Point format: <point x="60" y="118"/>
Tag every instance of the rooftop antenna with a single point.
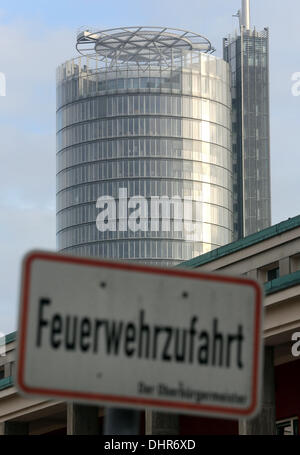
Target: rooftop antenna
<point x="238" y="14"/>
<point x="245" y="15"/>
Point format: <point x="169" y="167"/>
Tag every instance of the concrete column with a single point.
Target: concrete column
<point x="7" y="370"/>
<point x="294" y="263"/>
<point x="160" y="423"/>
<point x="284" y="267"/>
<point x="253" y="274"/>
<point x="82" y="419"/>
<point x="14" y="428"/>
<point x="265" y="422"/>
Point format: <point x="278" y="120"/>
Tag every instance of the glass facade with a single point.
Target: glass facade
<point x="248" y="56"/>
<point x="154" y="132"/>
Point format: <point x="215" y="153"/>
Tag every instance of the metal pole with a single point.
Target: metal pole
<point x="245" y="19"/>
<point x="121" y="422"/>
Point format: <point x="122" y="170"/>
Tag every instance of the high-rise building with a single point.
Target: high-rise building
<point x="144" y="117"/>
<point x="248" y="55"/>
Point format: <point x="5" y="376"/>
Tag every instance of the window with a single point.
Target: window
<point x="269" y="272"/>
<point x="2" y="372"/>
<point x="295" y="263"/>
<point x="273" y="274"/>
<point x="288" y="427"/>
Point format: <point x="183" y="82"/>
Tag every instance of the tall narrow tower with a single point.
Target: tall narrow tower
<point x="248" y="55"/>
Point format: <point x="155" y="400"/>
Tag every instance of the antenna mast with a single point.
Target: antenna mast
<point x="245" y="14"/>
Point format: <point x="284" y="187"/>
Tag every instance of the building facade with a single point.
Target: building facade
<point x="248" y="56"/>
<point x="144" y="117"/>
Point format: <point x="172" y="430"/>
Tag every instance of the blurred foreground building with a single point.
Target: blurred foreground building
<point x="273" y="257"/>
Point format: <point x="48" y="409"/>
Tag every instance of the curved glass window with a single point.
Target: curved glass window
<point x="144" y="126"/>
<point x="138" y="168"/>
<point x="141" y="249"/>
<point x="197" y="191"/>
<point x="88" y="233"/>
<point x="142" y="104"/>
<point x="87" y="213"/>
<point x="144" y="147"/>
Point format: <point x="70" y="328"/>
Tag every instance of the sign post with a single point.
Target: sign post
<point x="135" y="337"/>
<point x="121" y="422"/>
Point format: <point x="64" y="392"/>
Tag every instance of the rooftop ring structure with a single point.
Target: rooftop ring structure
<point x="141" y="45"/>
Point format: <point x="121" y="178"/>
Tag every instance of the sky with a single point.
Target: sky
<point x="37" y="35"/>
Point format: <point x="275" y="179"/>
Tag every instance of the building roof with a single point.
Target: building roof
<point x="141" y="44"/>
<point x="10" y="337"/>
<point x="241" y="244"/>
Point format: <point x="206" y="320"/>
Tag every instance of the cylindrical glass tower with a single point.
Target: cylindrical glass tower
<point x="144" y="112"/>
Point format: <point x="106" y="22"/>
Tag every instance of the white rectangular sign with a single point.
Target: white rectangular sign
<point x="141" y="337"/>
